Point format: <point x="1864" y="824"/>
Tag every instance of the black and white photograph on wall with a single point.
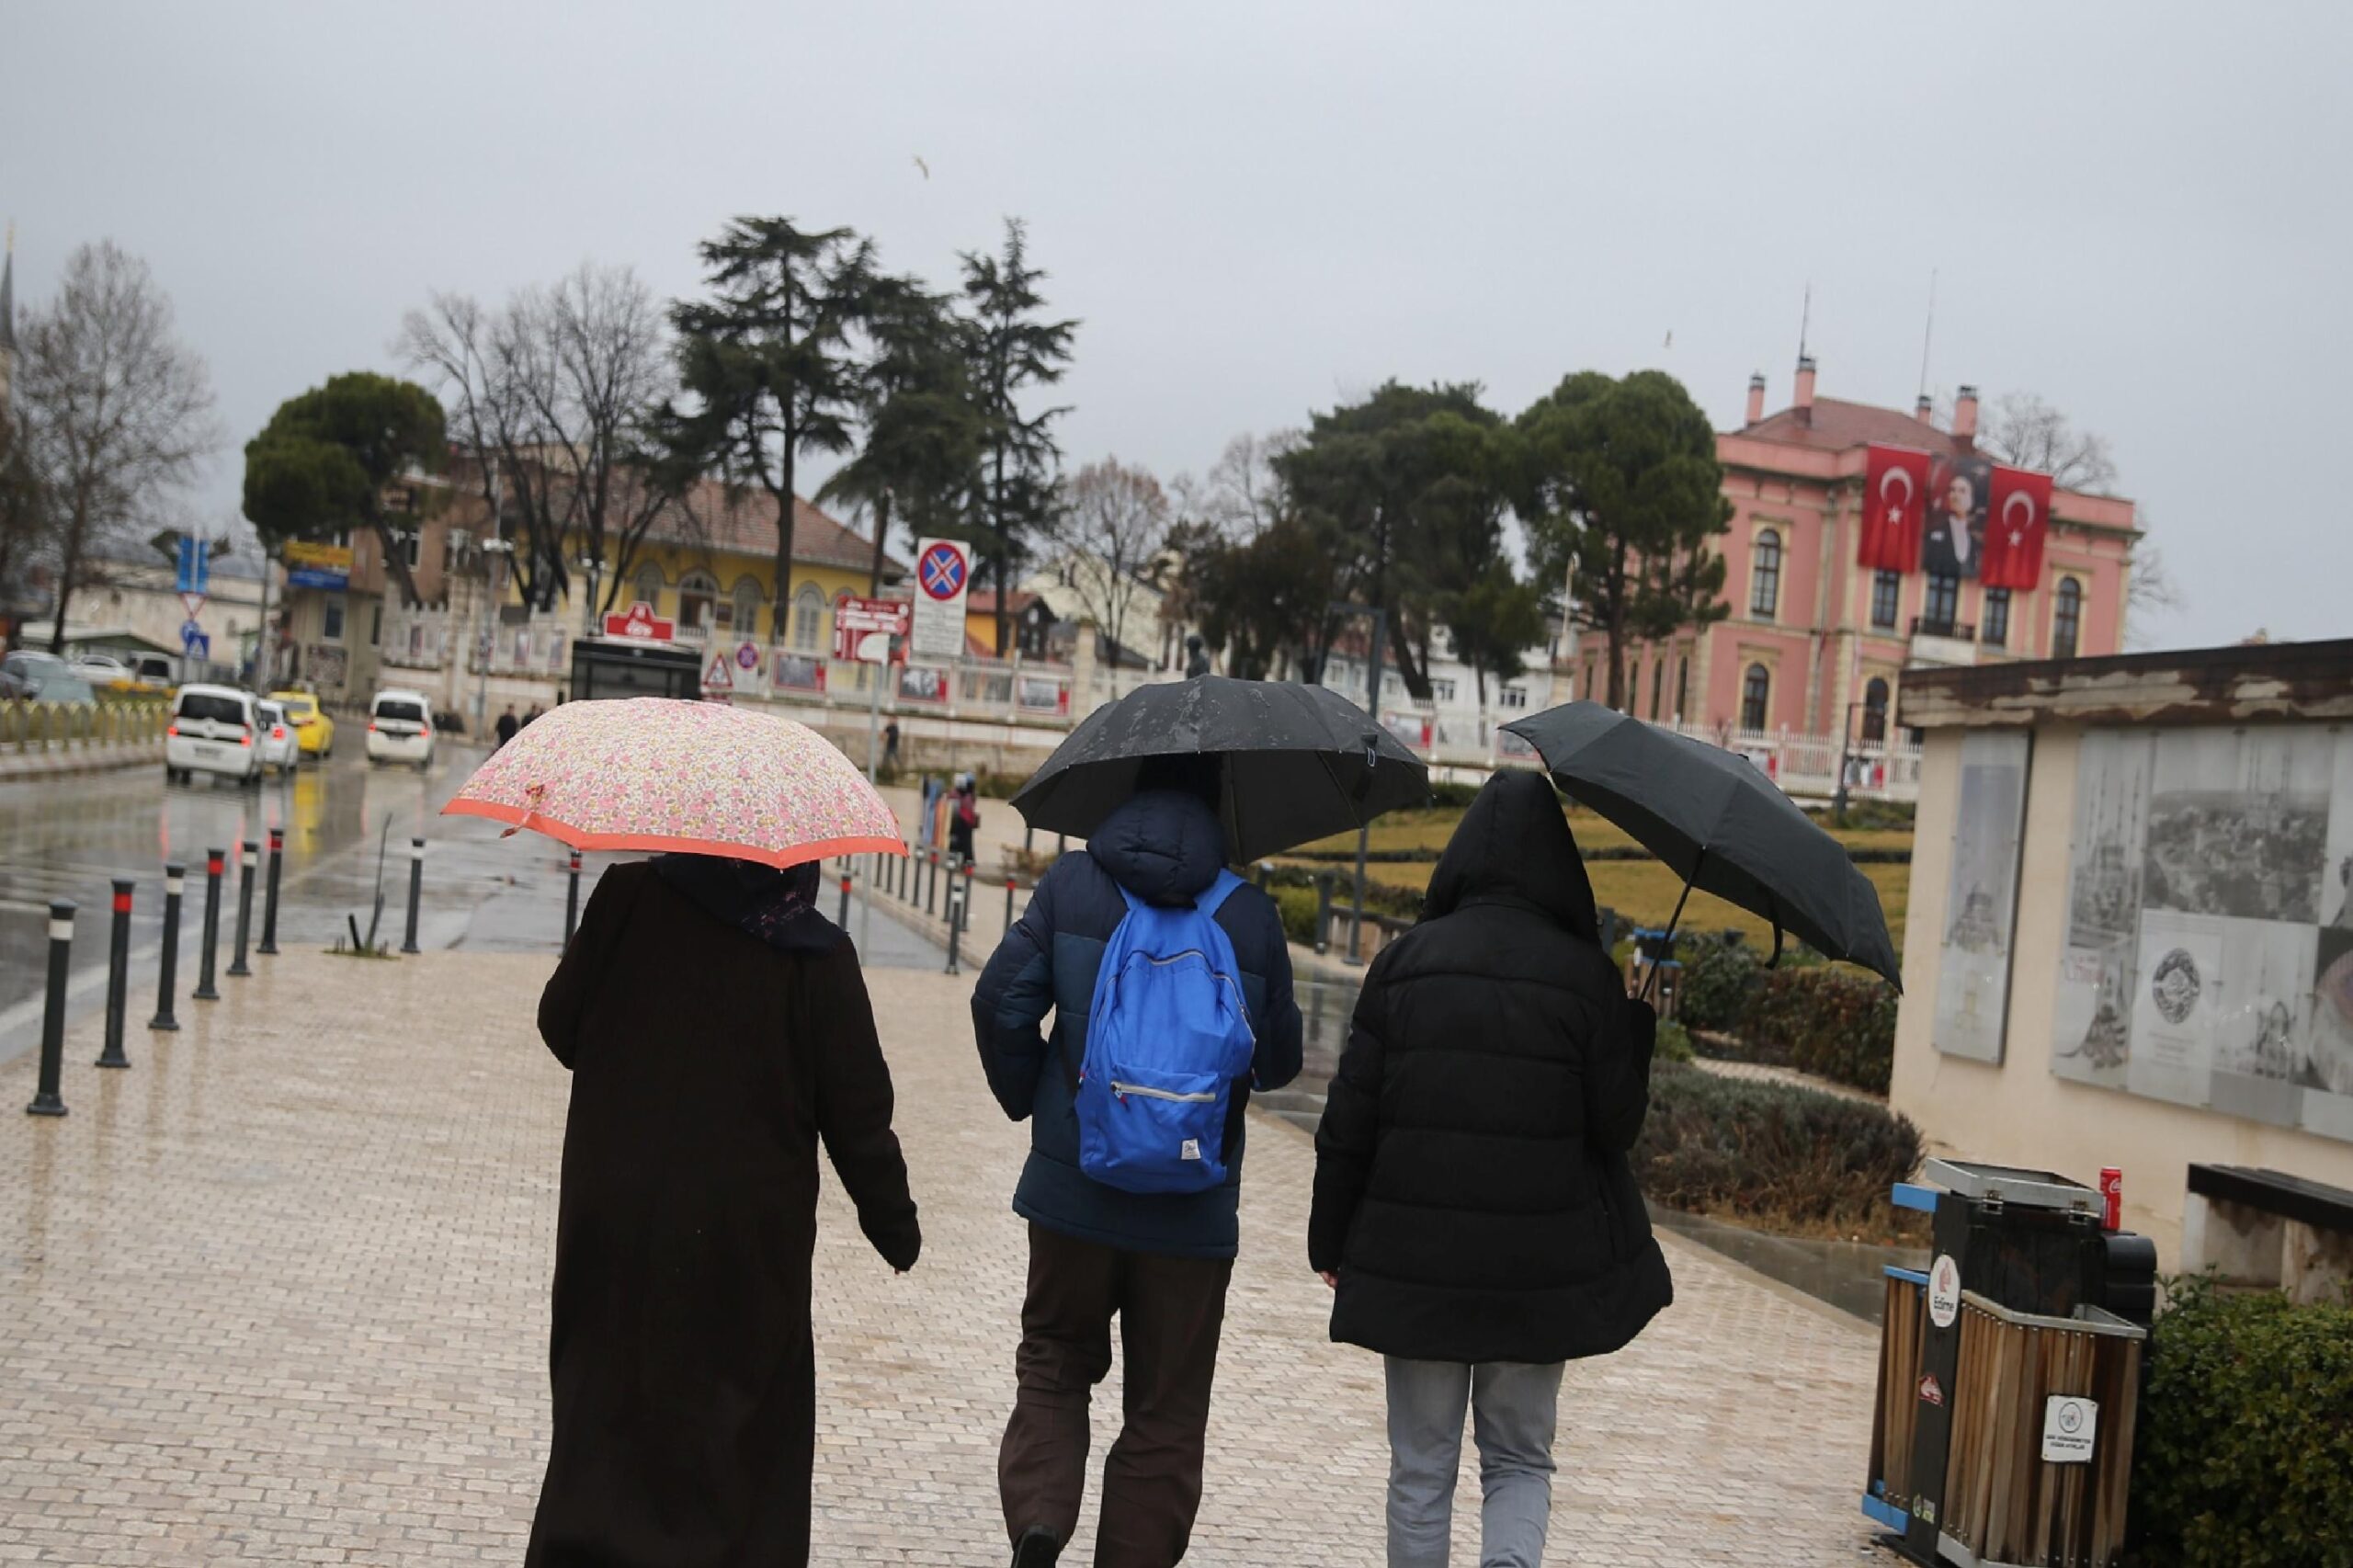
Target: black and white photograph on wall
<point x="2238" y="823"/>
<point x="2092" y="1031"/>
<point x="2330" y="1110"/>
<point x="1981" y="898"/>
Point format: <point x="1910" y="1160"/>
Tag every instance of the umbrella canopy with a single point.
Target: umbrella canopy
<point x="1300" y="762"/>
<point x="689" y="777"/>
<point x="1722" y="825"/>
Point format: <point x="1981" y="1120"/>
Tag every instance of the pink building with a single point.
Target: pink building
<point x="1814" y="642"/>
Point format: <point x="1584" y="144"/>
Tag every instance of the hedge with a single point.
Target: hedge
<point x="1741" y="1149"/>
<point x="2244" y="1453"/>
<point x="1830" y="1022"/>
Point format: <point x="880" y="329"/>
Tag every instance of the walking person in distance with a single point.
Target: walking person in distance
<point x="1134" y="1172"/>
<point x="1474" y="1211"/>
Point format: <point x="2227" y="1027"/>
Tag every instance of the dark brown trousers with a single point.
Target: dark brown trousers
<point x="1170" y="1309"/>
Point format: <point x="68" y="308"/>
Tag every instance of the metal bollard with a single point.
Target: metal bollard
<point x="269" y="948"/>
<point x="911" y="876"/>
<point x="955" y="919"/>
<point x="1266" y="874"/>
<point x="248" y="860"/>
<point x="175" y="877"/>
<point x="52" y="1014"/>
<point x="572" y="901"/>
<point x="931" y="884"/>
<point x="117" y="976"/>
<point x="415" y="892"/>
<point x="844" y="920"/>
<point x="1323" y="913"/>
<point x="208" y="951"/>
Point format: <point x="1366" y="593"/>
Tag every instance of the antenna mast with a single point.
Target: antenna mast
<point x="1805" y="317"/>
<point x="1928" y="334"/>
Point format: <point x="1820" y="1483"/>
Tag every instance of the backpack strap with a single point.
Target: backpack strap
<point x="1214" y="897"/>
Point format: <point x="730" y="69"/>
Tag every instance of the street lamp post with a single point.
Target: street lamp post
<point x="496" y="552"/>
<point x="593" y="568"/>
<point x="1845" y="736"/>
<point x="1372" y="704"/>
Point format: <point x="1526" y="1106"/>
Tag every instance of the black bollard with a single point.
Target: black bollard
<point x="955" y="919"/>
<point x="175" y="877"/>
<point x="117" y="976"/>
<point x="248" y="860"/>
<point x="911" y="876"/>
<point x="416" y="891"/>
<point x="269" y="948"/>
<point x="572" y="901"/>
<point x="844" y="920"/>
<point x="931" y="884"/>
<point x="208" y="952"/>
<point x="52" y="1014"/>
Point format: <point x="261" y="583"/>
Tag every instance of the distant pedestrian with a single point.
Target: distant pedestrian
<point x="1197" y="658"/>
<point x="718" y="1029"/>
<point x="891" y="744"/>
<point x="533" y="712"/>
<point x="963" y="817"/>
<point x="506" y="726"/>
<point x="1474" y="1209"/>
<point x="1158" y="1257"/>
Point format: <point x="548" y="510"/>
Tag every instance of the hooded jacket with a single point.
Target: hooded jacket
<point x="1165" y="848"/>
<point x="1472" y="1185"/>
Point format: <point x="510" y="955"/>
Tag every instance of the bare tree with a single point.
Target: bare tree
<point x="1111" y="522"/>
<point x="116" y="411"/>
<point x="1241" y="496"/>
<point x="551" y="395"/>
<point x="2026" y="432"/>
<point x="2150" y="590"/>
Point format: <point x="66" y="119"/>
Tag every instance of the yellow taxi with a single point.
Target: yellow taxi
<point x="311" y="725"/>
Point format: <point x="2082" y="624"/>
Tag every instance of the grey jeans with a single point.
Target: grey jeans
<point x="1513" y="1408"/>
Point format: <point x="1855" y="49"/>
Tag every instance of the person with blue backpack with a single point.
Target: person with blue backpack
<point x="1170" y="982"/>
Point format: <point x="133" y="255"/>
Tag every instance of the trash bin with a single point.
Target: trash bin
<point x="2009" y="1373"/>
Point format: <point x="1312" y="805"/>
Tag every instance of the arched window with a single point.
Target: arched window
<point x="1682" y="685"/>
<point x="1658" y="684"/>
<point x="1756" y="692"/>
<point x="2066" y="617"/>
<point x="808" y="616"/>
<point x="1765" y="575"/>
<point x="697" y="591"/>
<point x="744" y="610"/>
<point x="1875" y="711"/>
<point x="649" y="586"/>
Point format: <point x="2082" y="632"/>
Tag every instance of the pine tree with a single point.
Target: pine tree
<point x="1012" y="350"/>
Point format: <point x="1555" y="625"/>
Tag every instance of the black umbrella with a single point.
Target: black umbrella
<point x="1719" y="823"/>
<point x="1300" y="762"/>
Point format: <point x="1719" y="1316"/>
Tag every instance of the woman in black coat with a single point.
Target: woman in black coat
<point x="716" y="1026"/>
<point x="1474" y="1209"/>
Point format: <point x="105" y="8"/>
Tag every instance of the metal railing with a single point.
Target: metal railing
<point x="64" y="726"/>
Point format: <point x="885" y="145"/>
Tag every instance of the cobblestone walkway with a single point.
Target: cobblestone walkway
<point x="279" y="1294"/>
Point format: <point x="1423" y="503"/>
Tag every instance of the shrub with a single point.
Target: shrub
<point x="1741" y="1149"/>
<point x="1297" y="907"/>
<point x="2245" y="1445"/>
<point x="1674" y="1043"/>
<point x="1719" y="979"/>
<point x="1826" y="1021"/>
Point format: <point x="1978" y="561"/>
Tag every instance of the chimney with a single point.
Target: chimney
<point x="1964" y="416"/>
<point x="1804" y="403"/>
<point x="1924" y="409"/>
<point x="1755" y="397"/>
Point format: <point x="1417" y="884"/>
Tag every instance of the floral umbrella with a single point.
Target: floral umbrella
<point x="689" y="777"/>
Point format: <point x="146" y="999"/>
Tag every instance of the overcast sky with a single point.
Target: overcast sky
<point x="2137" y="211"/>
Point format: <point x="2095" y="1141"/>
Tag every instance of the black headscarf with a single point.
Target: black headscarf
<point x="778" y="907"/>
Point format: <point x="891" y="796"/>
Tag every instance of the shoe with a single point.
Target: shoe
<point x="1036" y="1548"/>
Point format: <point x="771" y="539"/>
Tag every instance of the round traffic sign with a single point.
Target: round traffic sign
<point x="942" y="570"/>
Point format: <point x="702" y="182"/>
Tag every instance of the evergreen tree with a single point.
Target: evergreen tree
<point x="1619" y="487"/>
<point x="1013" y="350"/>
<point x="322" y="464"/>
<point x="768" y="364"/>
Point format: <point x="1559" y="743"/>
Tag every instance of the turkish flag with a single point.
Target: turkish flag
<point x="1895" y="497"/>
<point x="2017" y="518"/>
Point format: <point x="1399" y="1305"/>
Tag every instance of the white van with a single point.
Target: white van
<point x="400" y="728"/>
<point x="214" y="729"/>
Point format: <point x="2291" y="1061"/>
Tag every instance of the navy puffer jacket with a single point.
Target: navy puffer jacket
<point x="1166" y="848"/>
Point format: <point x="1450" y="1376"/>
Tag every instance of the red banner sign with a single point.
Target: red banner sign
<point x="640" y="624"/>
<point x="1895" y="493"/>
<point x="2018" y="520"/>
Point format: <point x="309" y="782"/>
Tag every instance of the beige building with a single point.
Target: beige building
<point x="2131" y="921"/>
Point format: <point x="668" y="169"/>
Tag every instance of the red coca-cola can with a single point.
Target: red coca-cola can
<point x="2112" y="1199"/>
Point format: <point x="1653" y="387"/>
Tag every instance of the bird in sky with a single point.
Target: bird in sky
<point x="924" y="167"/>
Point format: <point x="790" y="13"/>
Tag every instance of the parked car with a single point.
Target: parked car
<point x="214" y="729"/>
<point x="281" y="748"/>
<point x="313" y="728"/>
<point x="42" y="677"/>
<point x="400" y="728"/>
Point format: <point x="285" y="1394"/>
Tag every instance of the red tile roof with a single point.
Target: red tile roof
<point x="983" y="601"/>
<point x="1838" y="425"/>
<point x="746" y="526"/>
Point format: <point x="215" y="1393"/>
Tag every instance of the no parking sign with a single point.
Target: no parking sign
<point x="943" y="574"/>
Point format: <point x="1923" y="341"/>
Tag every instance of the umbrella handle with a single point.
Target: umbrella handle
<point x="1773" y="913"/>
<point x="1672" y="921"/>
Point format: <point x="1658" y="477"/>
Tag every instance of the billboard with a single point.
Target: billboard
<point x="1981" y="898"/>
<point x="310" y="566"/>
<point x="2209" y="951"/>
<point x="1962" y="516"/>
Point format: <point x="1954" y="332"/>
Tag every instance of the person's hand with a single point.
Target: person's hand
<point x="1330" y="1278"/>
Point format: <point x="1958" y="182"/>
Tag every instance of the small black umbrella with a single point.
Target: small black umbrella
<point x="1300" y="762"/>
<point x="1719" y="823"/>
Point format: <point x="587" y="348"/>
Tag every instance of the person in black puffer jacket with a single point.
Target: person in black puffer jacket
<point x="1474" y="1209"/>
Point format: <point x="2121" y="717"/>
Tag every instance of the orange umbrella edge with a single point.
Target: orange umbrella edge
<point x="662" y="844"/>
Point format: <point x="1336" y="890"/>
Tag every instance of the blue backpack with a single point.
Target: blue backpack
<point x="1167" y="1036"/>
